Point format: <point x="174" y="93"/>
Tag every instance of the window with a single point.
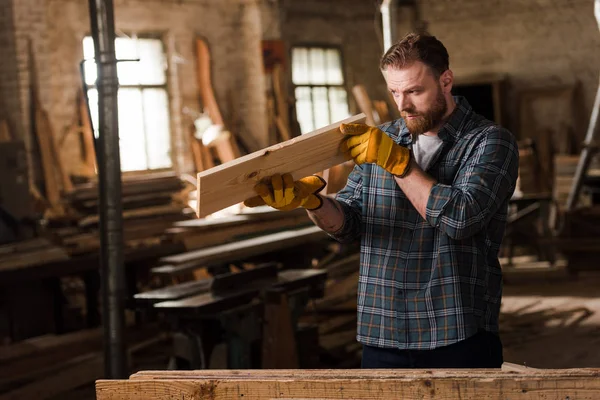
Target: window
<point x="144" y="133"/>
<point x="321" y="97"/>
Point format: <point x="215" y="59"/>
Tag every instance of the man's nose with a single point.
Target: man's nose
<point x="403" y="103"/>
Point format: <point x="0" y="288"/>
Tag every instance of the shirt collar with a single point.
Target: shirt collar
<point x="450" y="131"/>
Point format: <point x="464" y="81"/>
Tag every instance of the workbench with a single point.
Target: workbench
<point x="239" y="310"/>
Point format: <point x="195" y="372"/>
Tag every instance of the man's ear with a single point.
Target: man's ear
<point x="446" y="81"/>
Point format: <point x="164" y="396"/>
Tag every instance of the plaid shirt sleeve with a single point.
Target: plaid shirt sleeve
<point x="350" y="198"/>
<point x="481" y="186"/>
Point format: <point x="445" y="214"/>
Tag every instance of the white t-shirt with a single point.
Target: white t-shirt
<point x="425" y="148"/>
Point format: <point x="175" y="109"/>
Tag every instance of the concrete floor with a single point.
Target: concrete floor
<point x="553" y="324"/>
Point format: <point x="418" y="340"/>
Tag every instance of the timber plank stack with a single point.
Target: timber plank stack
<point x="150" y="207"/>
<point x="205" y="232"/>
<point x="507" y="383"/>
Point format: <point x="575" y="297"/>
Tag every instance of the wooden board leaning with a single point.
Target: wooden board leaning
<point x="233" y="182"/>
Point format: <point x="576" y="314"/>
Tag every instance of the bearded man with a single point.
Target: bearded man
<point x="428" y="199"/>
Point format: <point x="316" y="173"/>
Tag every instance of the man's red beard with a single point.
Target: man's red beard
<point x="424" y="122"/>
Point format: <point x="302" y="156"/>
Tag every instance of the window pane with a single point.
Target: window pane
<point x="338" y="103"/>
<point x="131" y="130"/>
<point x="317" y="66"/>
<point x="89" y="67"/>
<point x="125" y="49"/>
<point x="300" y="65"/>
<point x="321" y="107"/>
<point x="334" y="67"/>
<point x="152" y="65"/>
<point x="93" y="101"/>
<point x="304" y="112"/>
<point x="156" y="118"/>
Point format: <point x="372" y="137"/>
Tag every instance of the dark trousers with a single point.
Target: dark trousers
<point x="483" y="350"/>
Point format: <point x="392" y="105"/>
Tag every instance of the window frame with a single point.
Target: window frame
<point x="311" y="86"/>
<point x="165" y="86"/>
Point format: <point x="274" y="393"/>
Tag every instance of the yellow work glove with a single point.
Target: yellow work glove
<point x="368" y="144"/>
<point x="282" y="193"/>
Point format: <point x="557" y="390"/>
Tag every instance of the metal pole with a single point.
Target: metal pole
<point x="109" y="186"/>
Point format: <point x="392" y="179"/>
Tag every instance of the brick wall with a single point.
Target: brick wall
<point x="56" y="28"/>
<point x="353" y="25"/>
<point x="534" y="43"/>
<point x="10" y="104"/>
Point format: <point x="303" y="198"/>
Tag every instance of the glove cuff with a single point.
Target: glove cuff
<point x="314" y="202"/>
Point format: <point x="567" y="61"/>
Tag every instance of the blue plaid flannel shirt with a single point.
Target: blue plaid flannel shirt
<point x="427" y="283"/>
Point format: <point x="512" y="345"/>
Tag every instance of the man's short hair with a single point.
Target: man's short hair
<point x="417" y="47"/>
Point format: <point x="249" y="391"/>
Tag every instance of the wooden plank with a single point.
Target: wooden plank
<point x="226" y="147"/>
<point x="364" y="104"/>
<point x="382" y="110"/>
<point x="67" y="185"/>
<point x="282" y="120"/>
<point x="154" y="211"/>
<point x="5" y="135"/>
<point x="196" y="150"/>
<point x="358" y="384"/>
<point x="204" y="83"/>
<point x="283" y="129"/>
<point x="29" y="259"/>
<point x="47" y="343"/>
<point x="233" y="182"/>
<point x="193" y="241"/>
<point x="71" y="374"/>
<point x="237" y="251"/>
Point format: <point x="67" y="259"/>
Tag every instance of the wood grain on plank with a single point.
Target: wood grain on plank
<point x="356" y="384"/>
<point x="233" y="182"/>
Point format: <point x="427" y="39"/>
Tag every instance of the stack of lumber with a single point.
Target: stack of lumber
<point x="30" y="253"/>
<point x="206" y="232"/>
<point x="564" y="173"/>
<point x="48" y="366"/>
<point x="150" y="207"/>
<point x="511" y="382"/>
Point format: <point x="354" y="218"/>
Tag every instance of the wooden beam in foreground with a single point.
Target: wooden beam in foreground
<point x="233" y="182"/>
<point x="355" y="384"/>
